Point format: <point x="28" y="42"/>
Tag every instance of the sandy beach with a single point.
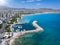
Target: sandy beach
<point x="38" y="13"/>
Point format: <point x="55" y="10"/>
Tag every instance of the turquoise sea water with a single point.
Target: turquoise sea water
<point x="51" y="35"/>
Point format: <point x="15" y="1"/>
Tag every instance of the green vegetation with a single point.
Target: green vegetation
<point x="8" y="28"/>
<point x="13" y="20"/>
<point x="0" y="26"/>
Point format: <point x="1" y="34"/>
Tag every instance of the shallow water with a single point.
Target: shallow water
<point x="51" y="35"/>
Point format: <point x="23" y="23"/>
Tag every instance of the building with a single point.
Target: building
<point x="1" y="22"/>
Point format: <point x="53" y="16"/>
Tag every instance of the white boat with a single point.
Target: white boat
<point x="19" y="26"/>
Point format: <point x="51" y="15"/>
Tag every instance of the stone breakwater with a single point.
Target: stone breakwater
<point x="18" y="34"/>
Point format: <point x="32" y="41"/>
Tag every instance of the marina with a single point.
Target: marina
<point x="29" y="22"/>
<point x="17" y="34"/>
<point x="49" y="36"/>
<point x="33" y="25"/>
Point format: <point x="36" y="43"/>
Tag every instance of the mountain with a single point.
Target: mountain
<point x="40" y="10"/>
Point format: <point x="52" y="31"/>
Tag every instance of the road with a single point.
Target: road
<point x="4" y="24"/>
<point x="1" y="37"/>
<point x="2" y="30"/>
<point x="3" y="27"/>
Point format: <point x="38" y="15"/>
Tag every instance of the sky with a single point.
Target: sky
<point x="31" y="4"/>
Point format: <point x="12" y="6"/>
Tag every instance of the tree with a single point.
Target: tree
<point x="0" y="26"/>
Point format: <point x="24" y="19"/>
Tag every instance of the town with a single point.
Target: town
<point x="9" y="15"/>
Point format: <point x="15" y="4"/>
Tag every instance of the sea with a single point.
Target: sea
<point x="51" y="34"/>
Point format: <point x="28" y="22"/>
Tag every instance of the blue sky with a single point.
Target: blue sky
<point x="55" y="4"/>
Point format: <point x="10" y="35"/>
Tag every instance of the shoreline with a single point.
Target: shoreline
<point x="39" y="13"/>
<point x="18" y="34"/>
<point x="36" y="14"/>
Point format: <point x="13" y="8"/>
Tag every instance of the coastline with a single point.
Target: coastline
<point x="39" y="13"/>
<point x="18" y="34"/>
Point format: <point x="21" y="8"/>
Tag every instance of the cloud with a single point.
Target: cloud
<point x="3" y="2"/>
